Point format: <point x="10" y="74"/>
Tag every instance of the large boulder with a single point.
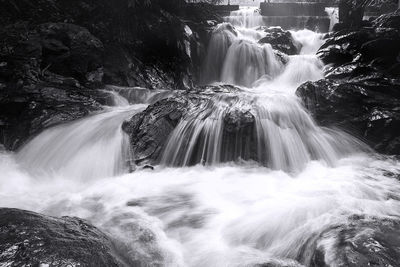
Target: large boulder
<point x="281" y="40"/>
<point x="31" y="239"/>
<point x="368" y="108"/>
<point x="151" y="129"/>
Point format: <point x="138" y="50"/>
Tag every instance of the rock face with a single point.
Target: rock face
<point x="50" y="71"/>
<point x="377" y="47"/>
<point x="148" y="43"/>
<point x="31" y="239"/>
<point x="362" y="91"/>
<point x="281" y="40"/>
<point x="30" y="109"/>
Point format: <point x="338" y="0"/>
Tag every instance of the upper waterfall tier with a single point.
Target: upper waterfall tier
<point x="296" y="16"/>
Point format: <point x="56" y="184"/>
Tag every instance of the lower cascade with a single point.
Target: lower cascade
<point x="245" y="178"/>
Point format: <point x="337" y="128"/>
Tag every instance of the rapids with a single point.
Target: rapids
<point x="306" y="182"/>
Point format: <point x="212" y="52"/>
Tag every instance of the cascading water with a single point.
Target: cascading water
<point x="333" y="13"/>
<point x="247" y="207"/>
<point x="90" y="148"/>
<point x="246" y="17"/>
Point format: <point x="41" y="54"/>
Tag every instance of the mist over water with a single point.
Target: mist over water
<point x="213" y="206"/>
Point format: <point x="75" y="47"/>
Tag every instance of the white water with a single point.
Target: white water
<point x="246" y="17"/>
<point x="231" y="214"/>
<point x="333" y="13"/>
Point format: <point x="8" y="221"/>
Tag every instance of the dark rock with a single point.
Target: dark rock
<point x="61" y="48"/>
<point x="362" y="93"/>
<point x="30" y="109"/>
<point x="69" y="50"/>
<point x="382" y="47"/>
<point x="31" y="239"/>
<point x="148" y="167"/>
<point x="343" y="46"/>
<point x="47" y="69"/>
<point x="368" y="108"/>
<point x="149" y="130"/>
<point x="281" y="40"/>
<point x="377" y="47"/>
<point x="390" y="20"/>
<point x="149" y="43"/>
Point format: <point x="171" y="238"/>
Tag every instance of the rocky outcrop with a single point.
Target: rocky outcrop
<point x="377" y="47"/>
<point x="50" y="71"/>
<point x="362" y="91"/>
<point x="31" y="239"/>
<point x="151" y="44"/>
<point x="367" y="108"/>
<point x="281" y="40"/>
<point x="26" y="111"/>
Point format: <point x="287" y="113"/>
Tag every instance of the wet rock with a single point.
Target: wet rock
<point x="390" y="20"/>
<point x="368" y="108"/>
<point x="281" y="40"/>
<point x="150" y="130"/>
<point x="362" y="90"/>
<point x="377" y="47"/>
<point x="31" y="239"/>
<point x="50" y="71"/>
<point x="343" y="46"/>
<point x="26" y="111"/>
<point x="361" y="242"/>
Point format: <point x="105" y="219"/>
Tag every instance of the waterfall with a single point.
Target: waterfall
<point x="333" y="14"/>
<point x="246" y="62"/>
<point x="89" y="148"/>
<point x="247" y="178"/>
<point x="235" y="57"/>
<point x="221" y="40"/>
<point x="247" y="17"/>
<point x="92" y="147"/>
<point x="279" y="133"/>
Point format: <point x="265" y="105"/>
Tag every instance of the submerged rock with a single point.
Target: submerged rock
<point x="31" y="239"/>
